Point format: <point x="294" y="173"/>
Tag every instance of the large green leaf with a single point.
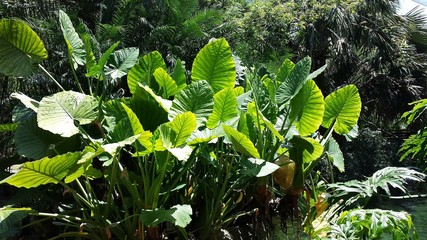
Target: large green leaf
<point x="43" y="171"/>
<point x="143" y="71"/>
<point x="333" y="150"/>
<point x="122" y="61"/>
<point x="179" y="75"/>
<point x="20" y="48"/>
<point x="62" y="112"/>
<point x="167" y="86"/>
<point x="128" y="127"/>
<point x="180" y="215"/>
<point x="285" y="70"/>
<point x="32" y="141"/>
<point x="241" y="142"/>
<point x="183" y="125"/>
<point x="342" y="109"/>
<point x="225" y="107"/>
<point x="307" y="108"/>
<point x="215" y="64"/>
<point x="305" y="149"/>
<point x="151" y="109"/>
<point x="75" y="46"/>
<point x="97" y="70"/>
<point x="290" y="87"/>
<point x="258" y="167"/>
<point x="10" y="220"/>
<point x="196" y="98"/>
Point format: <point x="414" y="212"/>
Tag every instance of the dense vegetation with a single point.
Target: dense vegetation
<point x="208" y="119"/>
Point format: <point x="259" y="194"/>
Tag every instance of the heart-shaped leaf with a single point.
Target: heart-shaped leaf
<point x="20" y="48"/>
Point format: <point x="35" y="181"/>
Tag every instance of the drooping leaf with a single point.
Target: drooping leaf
<point x="196" y="98"/>
<point x="333" y="150"/>
<point x="10" y="220"/>
<point x="167" y="86"/>
<point x="258" y="167"/>
<point x="305" y="149"/>
<point x="290" y="87"/>
<point x="225" y="107"/>
<point x="143" y="71"/>
<point x="27" y="101"/>
<point x="179" y="76"/>
<point x="43" y="171"/>
<point x="342" y="109"/>
<point x="20" y="48"/>
<point x="122" y="61"/>
<point x="8" y="127"/>
<point x="180" y="215"/>
<point x="215" y="64"/>
<point x="241" y="142"/>
<point x="75" y="46"/>
<point x="90" y="57"/>
<point x="307" y="108"/>
<point x="62" y="112"/>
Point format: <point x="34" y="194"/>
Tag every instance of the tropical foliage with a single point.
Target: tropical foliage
<point x="139" y="147"/>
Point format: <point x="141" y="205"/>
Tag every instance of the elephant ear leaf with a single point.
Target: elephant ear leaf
<point x="241" y="142"/>
<point x="62" y="112"/>
<point x="75" y="46"/>
<point x="10" y="220"/>
<point x="342" y="109"/>
<point x="20" y="48"/>
<point x="142" y="72"/>
<point x="43" y="171"/>
<point x="225" y="107"/>
<point x="215" y="64"/>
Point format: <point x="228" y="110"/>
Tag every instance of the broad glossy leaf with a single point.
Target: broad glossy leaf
<point x="10" y="220"/>
<point x="333" y="150"/>
<point x="285" y="70"/>
<point x="20" y="48"/>
<point x="167" y="86"/>
<point x="206" y="135"/>
<point x="342" y="109"/>
<point x="258" y="167"/>
<point x="61" y="112"/>
<point x="129" y="128"/>
<point x="179" y="76"/>
<point x="75" y="46"/>
<point x="143" y="71"/>
<point x="290" y="87"/>
<point x="196" y="98"/>
<point x="305" y="149"/>
<point x="225" y="107"/>
<point x="151" y="109"/>
<point x="122" y="61"/>
<point x="215" y="64"/>
<point x="307" y="108"/>
<point x="241" y="142"/>
<point x="180" y="215"/>
<point x="183" y="125"/>
<point x="32" y="141"/>
<point x="43" y="171"/>
<point x="27" y="101"/>
<point x="8" y="127"/>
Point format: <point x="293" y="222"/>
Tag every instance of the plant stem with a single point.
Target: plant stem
<point x="51" y="77"/>
<point x="74" y="74"/>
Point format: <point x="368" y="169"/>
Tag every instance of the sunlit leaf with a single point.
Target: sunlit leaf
<point x="225" y="107"/>
<point x="75" y="46"/>
<point x="179" y="215"/>
<point x="215" y="64"/>
<point x="62" y="112"/>
<point x="167" y="86"/>
<point x="143" y="71"/>
<point x="20" y="48"/>
<point x="241" y="142"/>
